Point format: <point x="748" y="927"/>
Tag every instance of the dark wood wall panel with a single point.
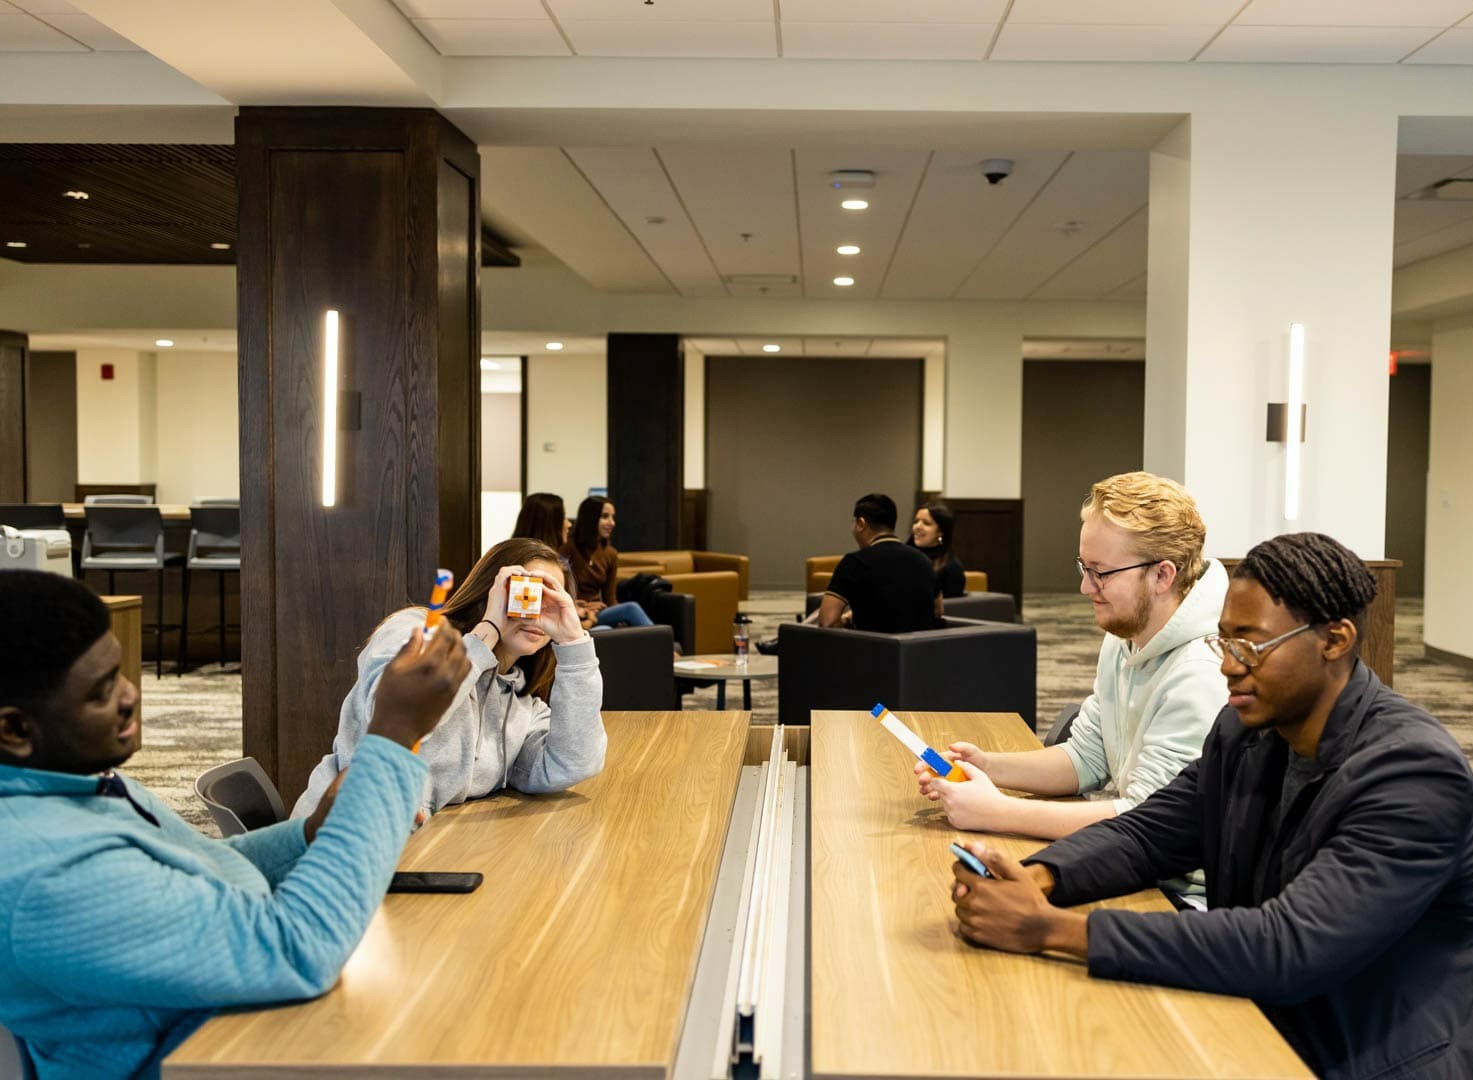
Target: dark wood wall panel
<point x="13" y="347"/>
<point x="989" y="536"/>
<point x="373" y="213"/>
<point x="646" y="408"/>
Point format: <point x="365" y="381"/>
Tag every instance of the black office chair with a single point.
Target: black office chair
<point x="240" y="796"/>
<point x="33" y="515"/>
<point x="1063" y="724"/>
<point x="214" y="545"/>
<point x="130" y="537"/>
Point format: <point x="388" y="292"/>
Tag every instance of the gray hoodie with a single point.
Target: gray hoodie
<point x="491" y="737"/>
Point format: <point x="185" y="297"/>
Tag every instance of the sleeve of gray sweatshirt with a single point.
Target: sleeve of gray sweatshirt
<point x="567" y="742"/>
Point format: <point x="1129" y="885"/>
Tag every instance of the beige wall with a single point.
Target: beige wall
<point x="501" y="442"/>
<point x="1448" y="614"/>
<point x="111" y="446"/>
<point x="566" y="407"/>
<point x="197" y="426"/>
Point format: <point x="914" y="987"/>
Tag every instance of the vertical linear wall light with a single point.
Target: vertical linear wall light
<point x="330" y="409"/>
<point x="1294" y="421"/>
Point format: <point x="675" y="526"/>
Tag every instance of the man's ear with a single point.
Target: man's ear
<point x="17" y="731"/>
<point x="1341" y="639"/>
<point x="1166" y="572"/>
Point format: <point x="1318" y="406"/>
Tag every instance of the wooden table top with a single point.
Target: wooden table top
<point x="725" y="666"/>
<point x="573" y="958"/>
<point x="168" y="511"/>
<point x="895" y="991"/>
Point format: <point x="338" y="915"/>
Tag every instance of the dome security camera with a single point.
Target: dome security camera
<point x="997" y="170"/>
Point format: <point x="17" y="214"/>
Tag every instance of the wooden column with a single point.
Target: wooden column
<point x="646" y="401"/>
<point x="373" y="213"/>
<point x="13" y="348"/>
<point x="989" y="537"/>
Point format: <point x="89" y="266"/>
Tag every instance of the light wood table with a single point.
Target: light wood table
<point x="895" y="991"/>
<point x="168" y="511"/>
<point x="126" y="613"/>
<point x="722" y="668"/>
<point x="575" y="956"/>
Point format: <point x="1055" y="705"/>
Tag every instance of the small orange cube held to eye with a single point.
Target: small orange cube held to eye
<point x="523" y="596"/>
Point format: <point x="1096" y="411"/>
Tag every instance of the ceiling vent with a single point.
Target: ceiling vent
<point x="1453" y="189"/>
<point x="761" y="279"/>
<point x="851" y="178"/>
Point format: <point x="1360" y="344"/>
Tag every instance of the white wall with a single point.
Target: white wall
<point x="197" y="425"/>
<point x="695" y="418"/>
<point x="1448" y="611"/>
<point x="111" y="445"/>
<point x="567" y="401"/>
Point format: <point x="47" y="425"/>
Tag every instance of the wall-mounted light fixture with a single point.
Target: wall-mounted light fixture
<point x="330" y="409"/>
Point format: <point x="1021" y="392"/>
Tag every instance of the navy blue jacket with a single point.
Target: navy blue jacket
<point x="1352" y="927"/>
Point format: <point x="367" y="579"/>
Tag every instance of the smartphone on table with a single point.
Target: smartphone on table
<point x="425" y="881"/>
<point x="970" y="861"/>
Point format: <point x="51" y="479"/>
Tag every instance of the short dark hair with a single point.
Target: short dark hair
<point x="876" y="509"/>
<point x="46" y="623"/>
<point x="1315" y="576"/>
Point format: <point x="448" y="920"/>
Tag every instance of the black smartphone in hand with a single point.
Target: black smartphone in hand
<point x="433" y="882"/>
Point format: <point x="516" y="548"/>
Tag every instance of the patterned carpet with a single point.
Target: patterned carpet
<point x="193" y="722"/>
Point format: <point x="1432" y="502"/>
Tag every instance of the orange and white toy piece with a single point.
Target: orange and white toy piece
<point x="523" y="596"/>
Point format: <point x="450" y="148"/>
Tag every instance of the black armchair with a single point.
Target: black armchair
<point x="637" y="664"/>
<point x="677" y="611"/>
<point x="988" y="606"/>
<point x="966" y="666"/>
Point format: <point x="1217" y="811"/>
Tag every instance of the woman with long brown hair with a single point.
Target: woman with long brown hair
<point x="526" y="716"/>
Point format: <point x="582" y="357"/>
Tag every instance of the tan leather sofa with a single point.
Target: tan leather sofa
<point x="818" y="569"/>
<point x="690" y="562"/>
<point x="716" y="593"/>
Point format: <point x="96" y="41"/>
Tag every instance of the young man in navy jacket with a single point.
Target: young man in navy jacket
<point x="1335" y="823"/>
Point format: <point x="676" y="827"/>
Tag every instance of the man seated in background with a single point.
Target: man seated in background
<point x="1332" y="817"/>
<point x="126" y="927"/>
<point x="1157" y="686"/>
<point x="887" y="585"/>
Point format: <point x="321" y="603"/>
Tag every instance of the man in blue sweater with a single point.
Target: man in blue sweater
<point x="1332" y="817"/>
<point x="124" y="927"/>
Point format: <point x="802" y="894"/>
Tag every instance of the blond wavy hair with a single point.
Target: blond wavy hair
<point x="1161" y="514"/>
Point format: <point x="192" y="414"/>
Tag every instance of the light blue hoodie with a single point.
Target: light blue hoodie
<point x="121" y="936"/>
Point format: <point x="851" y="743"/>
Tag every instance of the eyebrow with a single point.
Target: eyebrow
<point x="111" y="674"/>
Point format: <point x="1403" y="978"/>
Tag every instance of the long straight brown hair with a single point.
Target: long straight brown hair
<point x="465" y="609"/>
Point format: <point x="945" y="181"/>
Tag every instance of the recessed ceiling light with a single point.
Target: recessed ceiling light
<point x="843" y="281"/>
<point x="220" y="247"/>
<point x="554" y="346"/>
<point x="487" y="364"/>
<point x="15" y="243"/>
<point x="164" y="343"/>
<point x="847" y="249"/>
<point x="78" y="195"/>
<point x="855" y="204"/>
<point x="772" y="348"/>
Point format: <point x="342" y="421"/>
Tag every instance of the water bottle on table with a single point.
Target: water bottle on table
<point x="741" y="636"/>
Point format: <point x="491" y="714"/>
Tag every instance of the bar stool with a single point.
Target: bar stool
<point x="118" y="499"/>
<point x="129" y="537"/>
<point x="33" y="515"/>
<point x="214" y="544"/>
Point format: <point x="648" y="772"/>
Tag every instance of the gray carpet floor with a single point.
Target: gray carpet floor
<point x="193" y="722"/>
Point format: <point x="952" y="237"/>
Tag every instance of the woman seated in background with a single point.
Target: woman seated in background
<point x="931" y="532"/>
<point x="595" y="564"/>
<point x="543" y="517"/>
<point x="534" y="726"/>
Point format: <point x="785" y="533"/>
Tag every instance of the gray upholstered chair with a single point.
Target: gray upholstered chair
<point x="637" y="664"/>
<point x="966" y="666"/>
<point x="240" y="796"/>
<point x="989" y="606"/>
<point x="214" y="545"/>
<point x="118" y="499"/>
<point x="130" y="538"/>
<point x="14" y="1061"/>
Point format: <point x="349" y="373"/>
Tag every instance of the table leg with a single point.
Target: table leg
<point x="747" y="694"/>
<point x="720" y="695"/>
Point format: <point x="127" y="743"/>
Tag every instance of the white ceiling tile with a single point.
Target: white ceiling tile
<point x="632" y="182"/>
<point x="1453" y="46"/>
<point x="885" y="41"/>
<point x="1125" y="12"/>
<point x="825" y="225"/>
<point x="1416" y="171"/>
<point x="730" y="192"/>
<point x="1098" y="189"/>
<point x="472" y="9"/>
<point x="664" y="10"/>
<point x="912" y="11"/>
<point x="1315" y="44"/>
<point x="76" y="24"/>
<point x="1438" y="13"/>
<point x="1033" y="41"/>
<point x="20" y="32"/>
<point x="1449" y="239"/>
<point x="1418" y="219"/>
<point x="1116" y="260"/>
<point x="1134" y="289"/>
<point x="958" y="216"/>
<point x="493" y="37"/>
<point x="697" y="39"/>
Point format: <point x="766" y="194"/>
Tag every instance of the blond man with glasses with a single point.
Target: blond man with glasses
<point x="1157" y="687"/>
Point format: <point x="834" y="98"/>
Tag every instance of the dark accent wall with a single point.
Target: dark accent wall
<point x="989" y="536"/>
<point x="13" y="349"/>
<point x="373" y="212"/>
<point x="1407" y="433"/>
<point x="1083" y="420"/>
<point x="51" y="426"/>
<point x="791" y="443"/>
<point x="646" y="409"/>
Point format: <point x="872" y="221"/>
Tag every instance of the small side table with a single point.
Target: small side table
<point x="722" y="668"/>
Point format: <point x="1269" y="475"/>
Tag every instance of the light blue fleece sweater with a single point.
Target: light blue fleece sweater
<point x="121" y="937"/>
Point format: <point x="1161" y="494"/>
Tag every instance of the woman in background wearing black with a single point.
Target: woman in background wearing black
<point x="931" y="533"/>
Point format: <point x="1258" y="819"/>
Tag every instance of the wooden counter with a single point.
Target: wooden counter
<point x="126" y="613"/>
<point x="574" y="958"/>
<point x="895" y="991"/>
